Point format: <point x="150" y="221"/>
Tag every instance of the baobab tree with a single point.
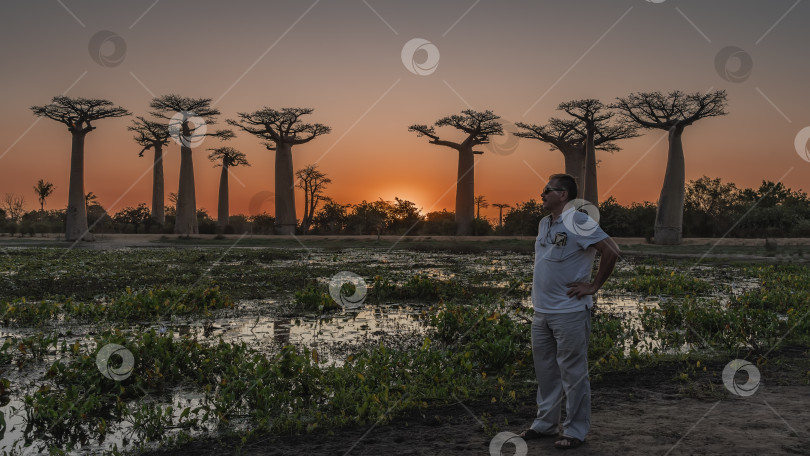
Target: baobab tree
<point x="282" y="129"/>
<point x="43" y="190"/>
<point x="592" y="128"/>
<point x="226" y="157"/>
<point x="478" y="127"/>
<point x="500" y="207"/>
<point x="672" y="112"/>
<point x="77" y="114"/>
<point x="480" y="201"/>
<point x="153" y="135"/>
<point x="189" y="119"/>
<point x="313" y="182"/>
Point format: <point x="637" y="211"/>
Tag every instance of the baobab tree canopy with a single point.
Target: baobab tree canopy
<point x="227" y="156"/>
<point x="282" y="129"/>
<point x="672" y="112"/>
<point x="478" y="127"/>
<point x="77" y="114"/>
<point x="149" y="133"/>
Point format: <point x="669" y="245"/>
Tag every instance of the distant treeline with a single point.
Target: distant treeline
<point x="712" y="209"/>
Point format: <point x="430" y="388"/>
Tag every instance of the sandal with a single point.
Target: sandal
<point x="570" y="444"/>
<point x="530" y="434"/>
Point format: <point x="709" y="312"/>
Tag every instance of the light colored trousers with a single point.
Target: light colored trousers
<point x="560" y="351"/>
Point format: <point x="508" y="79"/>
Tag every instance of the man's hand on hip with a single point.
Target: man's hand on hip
<point x="580" y="289"/>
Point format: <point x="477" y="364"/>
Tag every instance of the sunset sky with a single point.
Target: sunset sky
<point x="344" y="59"/>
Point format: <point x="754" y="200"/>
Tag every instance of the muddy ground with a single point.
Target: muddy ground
<point x="642" y="412"/>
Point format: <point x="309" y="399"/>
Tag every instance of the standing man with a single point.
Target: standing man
<point x="566" y="245"/>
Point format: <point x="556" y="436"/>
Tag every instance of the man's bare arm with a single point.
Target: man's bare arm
<point x="608" y="254"/>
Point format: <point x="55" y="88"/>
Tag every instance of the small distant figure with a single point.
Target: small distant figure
<point x="566" y="245"/>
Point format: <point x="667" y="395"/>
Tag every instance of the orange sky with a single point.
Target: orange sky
<point x="344" y="59"/>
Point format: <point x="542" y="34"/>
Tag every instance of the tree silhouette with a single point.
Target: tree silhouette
<point x="77" y="114"/>
<point x="478" y="127"/>
<point x="313" y="182"/>
<point x="672" y="112"/>
<point x="189" y="119"/>
<point x="14" y="206"/>
<point x="500" y="207"/>
<point x="480" y="201"/>
<point x="281" y="130"/>
<point x="591" y="129"/>
<point x="90" y="199"/>
<point x="43" y="190"/>
<point x="153" y="135"/>
<point x="596" y="120"/>
<point x="226" y="157"/>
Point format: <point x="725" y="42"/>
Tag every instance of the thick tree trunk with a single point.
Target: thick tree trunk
<point x="76" y="219"/>
<point x="465" y="191"/>
<point x="669" y="214"/>
<point x="158" y="212"/>
<point x="285" y="190"/>
<point x="222" y="207"/>
<point x="575" y="165"/>
<point x="186" y="221"/>
<point x="590" y="191"/>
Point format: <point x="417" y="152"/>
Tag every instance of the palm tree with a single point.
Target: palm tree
<point x="500" y="207"/>
<point x="480" y="202"/>
<point x="673" y="113"/>
<point x="226" y="157"/>
<point x="153" y="135"/>
<point x="77" y="114"/>
<point x="477" y="127"/>
<point x="281" y="130"/>
<point x="43" y="190"/>
<point x="188" y="125"/>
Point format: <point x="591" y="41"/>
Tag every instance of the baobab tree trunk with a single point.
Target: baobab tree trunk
<point x="669" y="214"/>
<point x="465" y="191"/>
<point x="76" y="218"/>
<point x="222" y="207"/>
<point x="575" y="165"/>
<point x="186" y="221"/>
<point x="590" y="192"/>
<point x="285" y="191"/>
<point x="158" y="212"/>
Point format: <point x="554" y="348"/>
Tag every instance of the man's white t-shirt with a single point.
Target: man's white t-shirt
<point x="563" y="254"/>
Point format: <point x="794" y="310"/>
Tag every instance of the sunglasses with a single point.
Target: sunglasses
<point x="552" y="189"/>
